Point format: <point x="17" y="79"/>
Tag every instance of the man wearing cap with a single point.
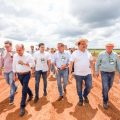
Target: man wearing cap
<point x="108" y="61"/>
<point x="61" y="62"/>
<point x="22" y="64"/>
<point x="82" y="60"/>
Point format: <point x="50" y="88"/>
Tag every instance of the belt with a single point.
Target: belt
<point x="60" y="68"/>
<point x="108" y="72"/>
<point x="23" y="73"/>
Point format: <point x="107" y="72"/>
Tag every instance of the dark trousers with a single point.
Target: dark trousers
<point x="24" y="80"/>
<point x="107" y="82"/>
<point x="88" y="85"/>
<point x="37" y="81"/>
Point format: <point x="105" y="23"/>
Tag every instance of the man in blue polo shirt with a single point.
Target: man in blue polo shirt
<point x="61" y="62"/>
<point x="108" y="61"/>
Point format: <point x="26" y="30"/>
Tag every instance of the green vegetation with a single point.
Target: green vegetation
<point x="95" y="52"/>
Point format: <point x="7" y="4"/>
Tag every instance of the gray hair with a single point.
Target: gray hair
<point x="20" y="45"/>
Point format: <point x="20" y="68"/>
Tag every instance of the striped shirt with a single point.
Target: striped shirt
<point x="6" y="61"/>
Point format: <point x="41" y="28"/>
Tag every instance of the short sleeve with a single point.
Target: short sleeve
<point x="54" y="58"/>
<point x="31" y="61"/>
<point x="34" y="56"/>
<point x="72" y="57"/>
<point x="91" y="57"/>
<point x="48" y="56"/>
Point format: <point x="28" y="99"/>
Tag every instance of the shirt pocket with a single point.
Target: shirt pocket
<point x="77" y="59"/>
<point x="104" y="60"/>
<point x="63" y="59"/>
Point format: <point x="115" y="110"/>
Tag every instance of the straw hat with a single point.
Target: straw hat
<point x="81" y="40"/>
<point x="110" y="44"/>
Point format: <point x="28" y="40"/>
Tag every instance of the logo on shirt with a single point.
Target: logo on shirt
<point x="42" y="60"/>
<point x="111" y="61"/>
<point x="63" y="58"/>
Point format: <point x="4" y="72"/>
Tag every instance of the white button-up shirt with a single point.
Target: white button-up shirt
<point x="52" y="57"/>
<point x="41" y="61"/>
<point x="81" y="62"/>
<point x="27" y="59"/>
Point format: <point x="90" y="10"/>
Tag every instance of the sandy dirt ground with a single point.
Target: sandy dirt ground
<point x="48" y="108"/>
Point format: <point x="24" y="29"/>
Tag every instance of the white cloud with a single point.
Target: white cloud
<point x="51" y="21"/>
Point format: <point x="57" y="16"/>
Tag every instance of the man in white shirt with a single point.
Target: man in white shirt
<point x="82" y="60"/>
<point x="61" y="62"/>
<point x="66" y="49"/>
<point x="22" y="64"/>
<point x="42" y="67"/>
<point x="32" y="51"/>
<point x="52" y="68"/>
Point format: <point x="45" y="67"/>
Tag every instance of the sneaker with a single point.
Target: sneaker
<point x="86" y="99"/>
<point x="29" y="98"/>
<point x="105" y="105"/>
<point x="65" y="91"/>
<point x="60" y="98"/>
<point x="80" y="102"/>
<point x="22" y="112"/>
<point x="11" y="102"/>
<point x="36" y="99"/>
<point x="54" y="76"/>
<point x="45" y="94"/>
<point x="16" y="89"/>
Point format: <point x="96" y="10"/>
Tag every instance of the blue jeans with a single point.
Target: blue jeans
<point x="52" y="68"/>
<point x="37" y="80"/>
<point x="88" y="85"/>
<point x="10" y="81"/>
<point x="107" y="82"/>
<point x="24" y="80"/>
<point x="62" y="74"/>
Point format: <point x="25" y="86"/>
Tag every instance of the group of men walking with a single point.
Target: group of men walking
<point x="80" y="64"/>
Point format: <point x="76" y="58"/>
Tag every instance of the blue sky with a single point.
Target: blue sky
<point x="51" y="21"/>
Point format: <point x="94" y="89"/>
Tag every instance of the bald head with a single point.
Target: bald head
<point x="20" y="49"/>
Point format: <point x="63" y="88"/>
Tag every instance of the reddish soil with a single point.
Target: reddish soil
<point x="48" y="108"/>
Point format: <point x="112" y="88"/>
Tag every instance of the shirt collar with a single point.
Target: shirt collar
<point x="61" y="53"/>
<point x="23" y="54"/>
<point x="82" y="51"/>
<point x="109" y="54"/>
<point x="41" y="52"/>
